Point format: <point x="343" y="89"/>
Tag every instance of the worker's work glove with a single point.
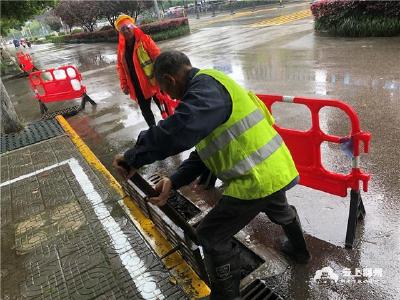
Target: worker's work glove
<point x="122" y="167"/>
<point x="126" y="91"/>
<point x="164" y="189"/>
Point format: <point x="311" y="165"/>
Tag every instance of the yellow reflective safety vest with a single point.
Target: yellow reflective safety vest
<point x="246" y="152"/>
<point x="146" y="63"/>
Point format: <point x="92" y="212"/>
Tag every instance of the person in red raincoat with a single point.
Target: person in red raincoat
<point x="136" y="54"/>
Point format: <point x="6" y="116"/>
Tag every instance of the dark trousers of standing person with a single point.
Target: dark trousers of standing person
<point x="228" y="217"/>
<point x="144" y="104"/>
<point x="145" y="107"/>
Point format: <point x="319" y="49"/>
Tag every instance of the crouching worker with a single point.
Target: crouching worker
<point x="232" y="133"/>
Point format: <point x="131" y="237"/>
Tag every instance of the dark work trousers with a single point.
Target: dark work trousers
<point x="144" y="104"/>
<point x="230" y="215"/>
<point x="145" y="107"/>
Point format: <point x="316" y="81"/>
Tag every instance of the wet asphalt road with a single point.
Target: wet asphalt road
<point x="288" y="59"/>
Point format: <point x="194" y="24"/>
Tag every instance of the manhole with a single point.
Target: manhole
<point x="31" y="134"/>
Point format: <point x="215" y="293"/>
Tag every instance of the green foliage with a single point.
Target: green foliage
<point x="147" y="20"/>
<point x="242" y="4"/>
<point x="158" y="31"/>
<point x="111" y="9"/>
<point x="164" y="25"/>
<point x="50" y="19"/>
<point x="171" y="33"/>
<point x="15" y="13"/>
<point x="48" y="37"/>
<point x="357" y="18"/>
<point x="77" y="30"/>
<point x="56" y="39"/>
<point x="34" y="27"/>
<point x="360" y="26"/>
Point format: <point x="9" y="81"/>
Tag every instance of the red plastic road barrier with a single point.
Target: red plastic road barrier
<point x="167" y="104"/>
<point x="61" y="84"/>
<point x="25" y="61"/>
<point x="305" y="147"/>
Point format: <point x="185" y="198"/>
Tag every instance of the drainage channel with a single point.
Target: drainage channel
<point x="177" y="221"/>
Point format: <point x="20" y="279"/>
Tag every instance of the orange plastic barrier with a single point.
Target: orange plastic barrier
<point x="25" y="62"/>
<point x="305" y="147"/>
<point x="167" y="104"/>
<point x="60" y="84"/>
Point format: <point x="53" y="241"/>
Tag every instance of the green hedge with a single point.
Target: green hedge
<point x="235" y="5"/>
<point x="163" y="30"/>
<point x="171" y="33"/>
<point x="357" y="18"/>
<point x="362" y="26"/>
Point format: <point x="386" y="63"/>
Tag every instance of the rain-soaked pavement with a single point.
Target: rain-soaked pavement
<point x="288" y="59"/>
<point x="64" y="237"/>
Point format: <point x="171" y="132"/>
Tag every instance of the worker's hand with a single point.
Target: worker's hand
<point x="126" y="91"/>
<point x="122" y="167"/>
<point x="164" y="188"/>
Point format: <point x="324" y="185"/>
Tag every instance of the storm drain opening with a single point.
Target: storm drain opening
<point x="32" y="133"/>
<point x="66" y="112"/>
<point x="249" y="261"/>
<point x="182" y="206"/>
<point x="177" y="221"/>
<point x="257" y="290"/>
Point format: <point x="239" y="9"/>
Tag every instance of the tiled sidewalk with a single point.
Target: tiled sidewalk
<point x="64" y="236"/>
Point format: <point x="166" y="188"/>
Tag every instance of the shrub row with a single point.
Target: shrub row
<point x="357" y="18"/>
<point x="164" y="25"/>
<point x="159" y="31"/>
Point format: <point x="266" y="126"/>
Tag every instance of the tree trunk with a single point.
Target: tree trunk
<point x="9" y="119"/>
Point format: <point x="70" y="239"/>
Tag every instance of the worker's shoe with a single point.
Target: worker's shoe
<point x="224" y="274"/>
<point x="295" y="246"/>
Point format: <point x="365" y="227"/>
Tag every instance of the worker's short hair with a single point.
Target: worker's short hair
<point x="169" y="62"/>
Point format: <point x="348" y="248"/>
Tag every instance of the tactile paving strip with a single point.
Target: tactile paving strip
<point x="58" y="243"/>
<point x="31" y="134"/>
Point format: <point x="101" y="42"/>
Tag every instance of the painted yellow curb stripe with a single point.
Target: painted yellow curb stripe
<point x="185" y="276"/>
<point x="90" y="157"/>
<point x="193" y="286"/>
<point x="284" y="19"/>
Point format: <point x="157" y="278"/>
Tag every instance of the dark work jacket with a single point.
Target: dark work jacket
<point x="206" y="104"/>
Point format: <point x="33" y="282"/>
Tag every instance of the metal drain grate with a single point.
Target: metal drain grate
<point x="31" y="134"/>
<point x="257" y="290"/>
<point x="174" y="220"/>
<point x="66" y="112"/>
<point x="171" y="224"/>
